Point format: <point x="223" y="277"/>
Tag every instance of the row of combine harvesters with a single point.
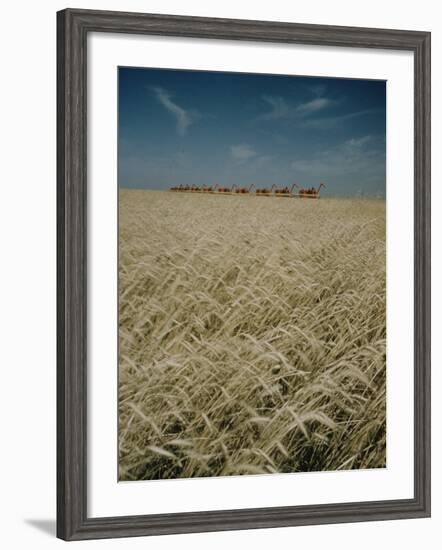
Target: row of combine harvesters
<point x="301" y="192"/>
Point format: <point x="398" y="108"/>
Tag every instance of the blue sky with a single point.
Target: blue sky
<point x="197" y="127"/>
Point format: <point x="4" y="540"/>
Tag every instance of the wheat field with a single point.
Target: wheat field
<point x="252" y="335"/>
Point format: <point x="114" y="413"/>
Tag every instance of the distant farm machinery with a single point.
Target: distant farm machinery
<point x="226" y="190"/>
<point x="310" y="193"/>
<point x="285" y="191"/>
<point x="193" y="189"/>
<point x="273" y="191"/>
<point x="265" y="192"/>
<point x="244" y="190"/>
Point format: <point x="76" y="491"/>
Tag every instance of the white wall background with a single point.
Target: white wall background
<point x="27" y="289"/>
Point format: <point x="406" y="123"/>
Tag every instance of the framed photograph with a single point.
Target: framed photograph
<point x="243" y="274"/>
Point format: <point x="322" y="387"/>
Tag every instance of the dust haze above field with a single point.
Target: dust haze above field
<point x="201" y="128"/>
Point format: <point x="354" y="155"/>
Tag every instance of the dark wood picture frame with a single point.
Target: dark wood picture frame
<point x="73" y="27"/>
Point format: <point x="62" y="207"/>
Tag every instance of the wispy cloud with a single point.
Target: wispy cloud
<point x="361" y="158"/>
<point x="325" y="123"/>
<point x="280" y="108"/>
<point x="313" y="106"/>
<point x="318" y="89"/>
<point x="356" y="143"/>
<point x="242" y="152"/>
<point x="184" y="118"/>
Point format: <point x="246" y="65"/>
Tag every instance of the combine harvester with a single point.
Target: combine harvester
<point x="209" y="189"/>
<point x="244" y="190"/>
<point x="196" y="189"/>
<point x="309" y="193"/>
<point x="285" y="191"/>
<point x="226" y="190"/>
<point x="265" y="192"/>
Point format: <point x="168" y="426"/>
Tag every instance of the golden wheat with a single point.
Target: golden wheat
<point x="252" y="335"/>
